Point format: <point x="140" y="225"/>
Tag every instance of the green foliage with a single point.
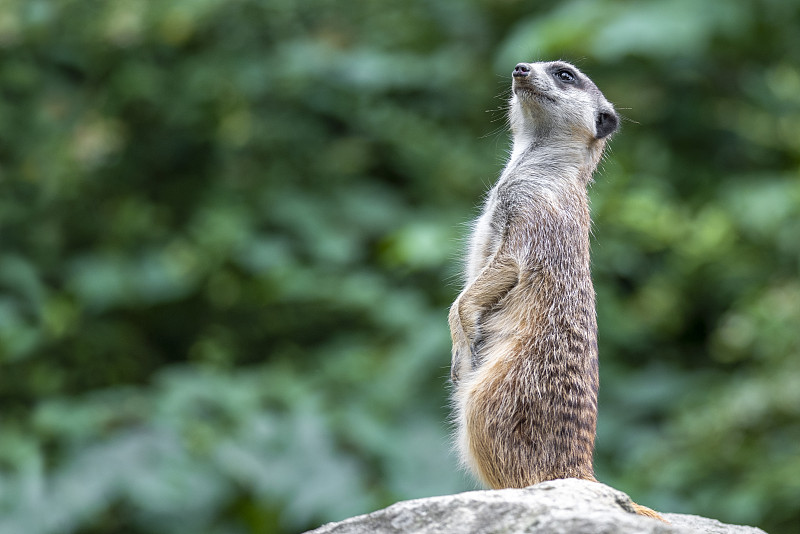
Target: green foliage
<point x="231" y="232"/>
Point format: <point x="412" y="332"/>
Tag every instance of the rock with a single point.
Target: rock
<point x="568" y="506"/>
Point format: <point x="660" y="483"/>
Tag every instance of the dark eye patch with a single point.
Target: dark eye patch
<point x="565" y="76"/>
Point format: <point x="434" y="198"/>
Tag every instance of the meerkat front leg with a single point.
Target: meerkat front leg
<point x="494" y="282"/>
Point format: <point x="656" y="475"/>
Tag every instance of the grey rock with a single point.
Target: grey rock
<point x="568" y="506"/>
<point x="696" y="523"/>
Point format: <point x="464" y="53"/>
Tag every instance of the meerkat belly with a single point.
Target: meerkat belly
<point x="503" y="329"/>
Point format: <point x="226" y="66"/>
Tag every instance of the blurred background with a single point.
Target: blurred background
<point x="230" y="231"/>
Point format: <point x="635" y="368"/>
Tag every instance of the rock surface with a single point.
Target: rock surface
<point x="560" y="506"/>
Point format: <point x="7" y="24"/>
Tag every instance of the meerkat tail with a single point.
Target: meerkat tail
<point x="638" y="508"/>
<point x="647" y="512"/>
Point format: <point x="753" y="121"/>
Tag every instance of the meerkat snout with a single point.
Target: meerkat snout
<point x="522" y="69"/>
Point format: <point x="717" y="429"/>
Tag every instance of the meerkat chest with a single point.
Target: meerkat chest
<point x="486" y="236"/>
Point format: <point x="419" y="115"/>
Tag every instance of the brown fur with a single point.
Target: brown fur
<point x="524" y="330"/>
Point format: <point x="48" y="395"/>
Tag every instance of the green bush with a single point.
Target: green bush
<point x="231" y="232"/>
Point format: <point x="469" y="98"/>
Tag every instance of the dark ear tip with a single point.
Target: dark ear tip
<point x="606" y="123"/>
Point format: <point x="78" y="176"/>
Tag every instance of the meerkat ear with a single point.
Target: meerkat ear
<point x="605" y="123"/>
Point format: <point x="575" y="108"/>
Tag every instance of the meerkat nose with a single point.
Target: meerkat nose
<point x="522" y="69"/>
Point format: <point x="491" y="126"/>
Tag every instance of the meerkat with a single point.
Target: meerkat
<point x="524" y="360"/>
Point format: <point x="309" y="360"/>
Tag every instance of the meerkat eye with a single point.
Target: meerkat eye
<point x="565" y="76"/>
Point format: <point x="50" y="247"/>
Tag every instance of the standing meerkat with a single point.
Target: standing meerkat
<point x="524" y="361"/>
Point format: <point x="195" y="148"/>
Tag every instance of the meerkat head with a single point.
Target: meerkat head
<point x="555" y="98"/>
